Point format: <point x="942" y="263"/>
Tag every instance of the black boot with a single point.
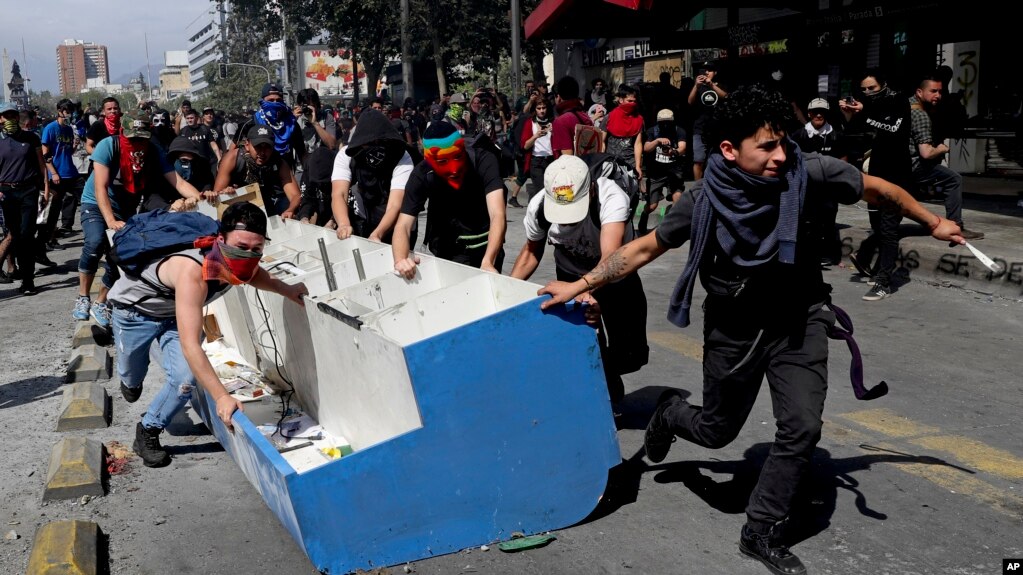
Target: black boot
<point x="766" y="548"/>
<point x="147" y="446"/>
<point x="658" y="437"/>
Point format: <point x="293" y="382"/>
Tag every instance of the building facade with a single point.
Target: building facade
<point x="78" y="62"/>
<point x="204" y="36"/>
<point x="175" y="79"/>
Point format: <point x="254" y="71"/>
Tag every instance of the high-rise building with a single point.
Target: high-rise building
<point x="204" y="36"/>
<point x="78" y="62"/>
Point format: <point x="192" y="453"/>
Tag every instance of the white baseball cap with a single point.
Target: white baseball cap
<point x="566" y="185"/>
<point x="819" y="104"/>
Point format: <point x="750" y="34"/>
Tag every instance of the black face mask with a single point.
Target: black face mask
<point x="373" y="155"/>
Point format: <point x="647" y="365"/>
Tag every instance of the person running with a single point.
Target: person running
<point x="753" y="224"/>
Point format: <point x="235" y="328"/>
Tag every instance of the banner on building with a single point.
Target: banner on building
<point x="329" y="72"/>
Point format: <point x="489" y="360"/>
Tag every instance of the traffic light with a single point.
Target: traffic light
<point x="223" y="70"/>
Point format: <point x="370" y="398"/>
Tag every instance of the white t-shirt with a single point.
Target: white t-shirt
<point x="542" y="145"/>
<point x="581" y="241"/>
<point x="399" y="177"/>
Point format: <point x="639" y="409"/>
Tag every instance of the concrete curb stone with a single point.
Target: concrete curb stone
<point x="76" y="469"/>
<point x="66" y="548"/>
<point x="89" y="363"/>
<point x="86" y="405"/>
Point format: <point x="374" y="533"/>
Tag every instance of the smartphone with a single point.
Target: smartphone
<point x="849" y="100"/>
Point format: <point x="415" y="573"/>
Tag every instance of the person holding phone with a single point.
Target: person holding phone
<point x="536" y="141"/>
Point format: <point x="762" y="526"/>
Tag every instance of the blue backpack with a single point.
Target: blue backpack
<point x="152" y="235"/>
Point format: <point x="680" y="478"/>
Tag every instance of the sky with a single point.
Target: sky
<point x="121" y="25"/>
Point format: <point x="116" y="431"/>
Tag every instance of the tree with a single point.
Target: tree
<point x="250" y="28"/>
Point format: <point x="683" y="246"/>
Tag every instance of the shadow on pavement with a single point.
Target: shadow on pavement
<point x="31" y="389"/>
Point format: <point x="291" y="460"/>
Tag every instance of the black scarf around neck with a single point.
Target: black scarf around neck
<point x="754" y="218"/>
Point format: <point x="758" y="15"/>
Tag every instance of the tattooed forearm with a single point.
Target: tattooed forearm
<point x="890" y="200"/>
<point x="609" y="269"/>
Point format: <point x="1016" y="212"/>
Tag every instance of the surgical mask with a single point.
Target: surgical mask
<point x="183" y="168"/>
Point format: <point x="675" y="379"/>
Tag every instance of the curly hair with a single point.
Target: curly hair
<point x="744" y="112"/>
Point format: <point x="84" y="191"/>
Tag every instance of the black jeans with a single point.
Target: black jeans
<point x="21" y="206"/>
<point x="736" y="357"/>
<point x="622" y="333"/>
<point x="57" y="194"/>
<point x="72" y="199"/>
<point x="884" y="240"/>
<point x="537" y="167"/>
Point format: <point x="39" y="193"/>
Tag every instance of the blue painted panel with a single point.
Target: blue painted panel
<point x="506" y="445"/>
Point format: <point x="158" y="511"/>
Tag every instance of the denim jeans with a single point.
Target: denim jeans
<point x="96" y="245"/>
<point x="134" y="334"/>
<point x="946" y="182"/>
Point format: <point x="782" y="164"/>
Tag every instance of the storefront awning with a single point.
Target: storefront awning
<point x="607" y="18"/>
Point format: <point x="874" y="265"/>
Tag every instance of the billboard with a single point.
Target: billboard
<point x="328" y="72"/>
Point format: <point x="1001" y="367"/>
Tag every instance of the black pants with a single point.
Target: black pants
<point x="537" y="167"/>
<point x="57" y="194"/>
<point x="884" y="240"/>
<point x="471" y="257"/>
<point x="735" y="361"/>
<point x="72" y="199"/>
<point x="622" y="334"/>
<point x="21" y="207"/>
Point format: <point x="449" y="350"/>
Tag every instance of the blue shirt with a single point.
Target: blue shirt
<point x="155" y="165"/>
<point x="60" y="141"/>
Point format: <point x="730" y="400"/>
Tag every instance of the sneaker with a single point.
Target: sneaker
<point x="970" y="234"/>
<point x="147" y="446"/>
<point x="101" y="313"/>
<point x="44" y="261"/>
<point x="81" y="311"/>
<point x="28" y="288"/>
<point x="514" y="202"/>
<point x="52" y="245"/>
<point x="131" y="394"/>
<point x="772" y="554"/>
<point x="5" y="279"/>
<point x="878" y="292"/>
<point x="860" y="268"/>
<point x="659" y="437"/>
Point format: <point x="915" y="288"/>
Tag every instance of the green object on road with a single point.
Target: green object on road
<point x="523" y="543"/>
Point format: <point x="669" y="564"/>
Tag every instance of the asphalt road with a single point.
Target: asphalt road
<point x="928" y="479"/>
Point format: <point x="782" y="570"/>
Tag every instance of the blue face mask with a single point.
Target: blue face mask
<point x="183" y="168"/>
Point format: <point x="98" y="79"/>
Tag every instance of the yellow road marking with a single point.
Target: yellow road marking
<point x="889" y="423"/>
<point x="681" y="344"/>
<point x="973" y="454"/>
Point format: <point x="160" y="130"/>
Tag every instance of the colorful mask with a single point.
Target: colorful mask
<point x="10" y="126"/>
<point x="447" y="157"/>
<point x="228" y="263"/>
<point x="281" y="121"/>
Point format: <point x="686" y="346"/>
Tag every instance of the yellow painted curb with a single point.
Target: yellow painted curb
<point x="65" y="548"/>
<point x="76" y="469"/>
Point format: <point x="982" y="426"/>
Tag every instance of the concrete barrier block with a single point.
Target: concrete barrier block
<point x="76" y="469"/>
<point x="86" y="405"/>
<point x="89" y="363"/>
<point x="89" y="333"/>
<point x="65" y="548"/>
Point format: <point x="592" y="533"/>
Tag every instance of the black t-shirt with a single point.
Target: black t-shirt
<point x="453" y="212"/>
<point x="658" y="164"/>
<point x="18" y="159"/>
<point x="97" y="132"/>
<point x="832" y="144"/>
<point x="888" y="118"/>
<point x="201" y="135"/>
<point x="772" y="291"/>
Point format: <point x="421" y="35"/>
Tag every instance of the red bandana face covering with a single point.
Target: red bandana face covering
<point x="228" y="263"/>
<point x="113" y="123"/>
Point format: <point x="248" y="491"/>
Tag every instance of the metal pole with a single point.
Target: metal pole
<point x="406" y="52"/>
<point x="284" y="50"/>
<point x="327" y="268"/>
<point x="516" y="50"/>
